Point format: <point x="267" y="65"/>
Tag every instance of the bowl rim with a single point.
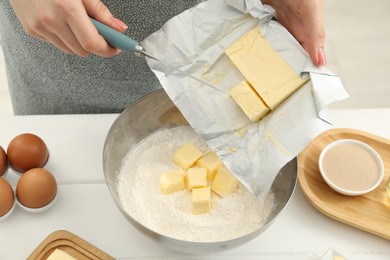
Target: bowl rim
<point x="363" y="145"/>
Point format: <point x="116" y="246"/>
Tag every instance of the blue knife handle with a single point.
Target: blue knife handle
<point x="115" y="38"/>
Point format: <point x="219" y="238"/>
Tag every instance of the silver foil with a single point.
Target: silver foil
<point x="194" y="42"/>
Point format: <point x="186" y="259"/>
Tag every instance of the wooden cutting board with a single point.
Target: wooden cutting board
<point x="369" y="212"/>
<point x="70" y="244"/>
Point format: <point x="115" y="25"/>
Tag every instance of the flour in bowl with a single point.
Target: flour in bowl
<point x="233" y="216"/>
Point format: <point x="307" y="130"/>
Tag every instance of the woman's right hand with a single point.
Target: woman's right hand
<point x="66" y="24"/>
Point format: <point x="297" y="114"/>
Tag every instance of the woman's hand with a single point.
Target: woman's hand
<point x="66" y="24"/>
<point x="304" y="20"/>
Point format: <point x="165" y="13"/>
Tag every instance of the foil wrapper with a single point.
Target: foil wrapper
<point x="194" y="42"/>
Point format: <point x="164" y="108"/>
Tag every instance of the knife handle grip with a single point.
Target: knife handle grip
<point x="115" y="38"/>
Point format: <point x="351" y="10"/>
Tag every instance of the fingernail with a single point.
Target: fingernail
<point x="321" y="57"/>
<point x="121" y="24"/>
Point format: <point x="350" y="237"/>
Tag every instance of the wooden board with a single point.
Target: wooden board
<point x="369" y="212"/>
<point x="69" y="243"/>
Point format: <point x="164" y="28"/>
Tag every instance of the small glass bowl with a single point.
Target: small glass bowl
<point x="361" y="145"/>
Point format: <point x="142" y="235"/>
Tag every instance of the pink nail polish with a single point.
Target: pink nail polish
<point x="121" y="24"/>
<point x="321" y="57"/>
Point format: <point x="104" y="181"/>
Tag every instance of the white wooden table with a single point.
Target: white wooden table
<point x="85" y="207"/>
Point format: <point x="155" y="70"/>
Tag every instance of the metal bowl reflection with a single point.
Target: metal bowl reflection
<point x="142" y="118"/>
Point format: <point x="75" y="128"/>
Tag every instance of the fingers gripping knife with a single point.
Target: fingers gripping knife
<point x="127" y="44"/>
<point x="119" y="40"/>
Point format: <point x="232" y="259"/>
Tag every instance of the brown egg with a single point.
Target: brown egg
<point x="3" y="162"/>
<point x="36" y="188"/>
<point x="6" y="197"/>
<point x="27" y="151"/>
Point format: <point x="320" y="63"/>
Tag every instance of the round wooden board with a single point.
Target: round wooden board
<point x="369" y="212"/>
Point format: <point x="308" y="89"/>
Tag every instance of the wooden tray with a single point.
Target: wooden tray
<point x="369" y="212"/>
<point x="69" y="243"/>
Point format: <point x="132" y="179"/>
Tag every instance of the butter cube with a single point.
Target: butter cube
<point x="249" y="101"/>
<point x="187" y="155"/>
<point x="60" y="255"/>
<point x="201" y="200"/>
<point x="171" y="182"/>
<point x="211" y="162"/>
<point x="268" y="73"/>
<point x="224" y="182"/>
<point x="196" y="177"/>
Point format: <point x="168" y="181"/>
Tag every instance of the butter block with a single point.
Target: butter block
<point x="196" y="177"/>
<point x="211" y="162"/>
<point x="224" y="182"/>
<point x="187" y="155"/>
<point x="60" y="255"/>
<point x="171" y="182"/>
<point x="249" y="101"/>
<point x="271" y="77"/>
<point x="201" y="200"/>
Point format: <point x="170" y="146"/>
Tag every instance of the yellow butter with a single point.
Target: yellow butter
<point x="60" y="255"/>
<point x="249" y="101"/>
<point x="211" y="162"/>
<point x="187" y="155"/>
<point x="171" y="182"/>
<point x="224" y="182"/>
<point x="272" y="78"/>
<point x="201" y="200"/>
<point x="196" y="177"/>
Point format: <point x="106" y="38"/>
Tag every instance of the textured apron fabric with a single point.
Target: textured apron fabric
<point x="45" y="80"/>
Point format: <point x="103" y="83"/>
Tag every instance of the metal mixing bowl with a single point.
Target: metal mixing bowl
<point x="142" y="118"/>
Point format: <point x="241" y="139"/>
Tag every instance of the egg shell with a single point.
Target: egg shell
<point x="3" y="161"/>
<point x="27" y="151"/>
<point x="36" y="188"/>
<point x="7" y="198"/>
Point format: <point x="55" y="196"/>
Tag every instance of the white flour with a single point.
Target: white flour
<point x="233" y="216"/>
